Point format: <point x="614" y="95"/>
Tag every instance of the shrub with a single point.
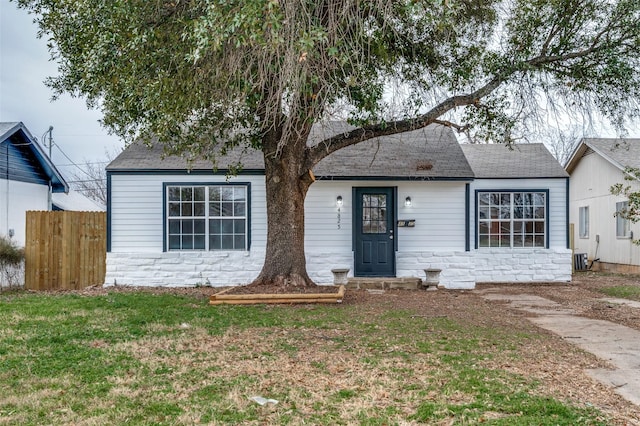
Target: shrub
<point x="11" y="263"/>
<point x="10" y="253"/>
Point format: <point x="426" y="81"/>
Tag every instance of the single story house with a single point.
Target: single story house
<point x="28" y="179"/>
<point x="596" y="165"/>
<point x="480" y="213"/>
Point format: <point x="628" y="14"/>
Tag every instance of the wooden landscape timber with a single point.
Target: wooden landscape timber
<point x="223" y="298"/>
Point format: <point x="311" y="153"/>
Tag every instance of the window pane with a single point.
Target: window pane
<point x="187" y="226"/>
<point x="174" y="193"/>
<point x="505" y="199"/>
<point x="187" y="242"/>
<point x="174" y="242"/>
<point x="539" y="213"/>
<point x="538" y="199"/>
<point x="505" y="241"/>
<point x="198" y="226"/>
<point x="187" y="194"/>
<point x="227" y="227"/>
<point x="174" y="227"/>
<point x="238" y="226"/>
<point x="198" y="209"/>
<point x="227" y="209"/>
<point x="517" y="241"/>
<point x="227" y="242"/>
<point x="239" y="193"/>
<point x="198" y="193"/>
<point x="174" y="209"/>
<point x="483" y="212"/>
<point x="483" y="228"/>
<point x="238" y="242"/>
<point x="227" y="193"/>
<point x="215" y="227"/>
<point x="483" y="241"/>
<point x="238" y="209"/>
<point x="539" y="227"/>
<point x="215" y="242"/>
<point x="484" y="198"/>
<point x="214" y="209"/>
<point x="539" y="240"/>
<point x="214" y="193"/>
<point x="528" y="240"/>
<point x="495" y="212"/>
<point x="187" y="209"/>
<point x="198" y="242"/>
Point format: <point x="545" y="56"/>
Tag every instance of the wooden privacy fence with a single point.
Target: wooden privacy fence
<point x="65" y="250"/>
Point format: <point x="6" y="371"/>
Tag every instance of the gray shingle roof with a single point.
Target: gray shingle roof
<point x="429" y="153"/>
<point x="523" y="161"/>
<point x="625" y="152"/>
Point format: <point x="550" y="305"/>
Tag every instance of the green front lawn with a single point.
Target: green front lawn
<point x="139" y="358"/>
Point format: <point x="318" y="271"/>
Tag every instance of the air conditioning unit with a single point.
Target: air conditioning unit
<point x="580" y="261"/>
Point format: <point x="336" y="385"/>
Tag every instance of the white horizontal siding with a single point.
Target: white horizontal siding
<point x="437" y="208"/>
<point x="136" y="209"/>
<point x="557" y="215"/>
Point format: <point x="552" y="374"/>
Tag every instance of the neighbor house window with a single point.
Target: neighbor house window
<point x="207" y="217"/>
<point x="584" y="222"/>
<point x="512" y="219"/>
<point x="623" y="226"/>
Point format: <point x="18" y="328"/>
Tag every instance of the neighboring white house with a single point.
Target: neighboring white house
<point x="26" y="177"/>
<point x="76" y="202"/>
<point x="596" y="165"/>
<point x="392" y="206"/>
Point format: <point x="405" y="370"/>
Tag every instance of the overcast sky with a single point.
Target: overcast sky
<point x="24" y="65"/>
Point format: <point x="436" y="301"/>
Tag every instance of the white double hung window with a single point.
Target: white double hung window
<point x="512" y="219"/>
<point x="207" y="217"/>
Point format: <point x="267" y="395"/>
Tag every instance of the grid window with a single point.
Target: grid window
<point x="374" y="213"/>
<point x="623" y="225"/>
<point x="512" y="219"/>
<point x="207" y="217"/>
<point x="584" y="222"/>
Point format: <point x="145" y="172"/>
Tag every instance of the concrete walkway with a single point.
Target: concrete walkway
<point x="612" y="342"/>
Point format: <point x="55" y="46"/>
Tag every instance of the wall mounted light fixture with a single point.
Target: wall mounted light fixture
<point x="339" y="201"/>
<point x="407" y="202"/>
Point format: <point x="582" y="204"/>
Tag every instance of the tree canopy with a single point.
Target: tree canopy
<point x="202" y="74"/>
<point x="206" y="76"/>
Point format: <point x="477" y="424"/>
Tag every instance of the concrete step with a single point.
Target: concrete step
<point x="362" y="283"/>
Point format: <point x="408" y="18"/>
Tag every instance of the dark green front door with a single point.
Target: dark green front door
<point x="374" y="232"/>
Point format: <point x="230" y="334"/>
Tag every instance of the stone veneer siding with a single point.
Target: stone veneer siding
<point x="460" y="270"/>
<point x="523" y="265"/>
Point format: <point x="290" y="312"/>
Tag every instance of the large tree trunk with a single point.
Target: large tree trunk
<point x="286" y="186"/>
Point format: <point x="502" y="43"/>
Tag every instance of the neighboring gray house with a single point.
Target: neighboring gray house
<point x="391" y="206"/>
<point x="27" y="179"/>
<point x="596" y="165"/>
